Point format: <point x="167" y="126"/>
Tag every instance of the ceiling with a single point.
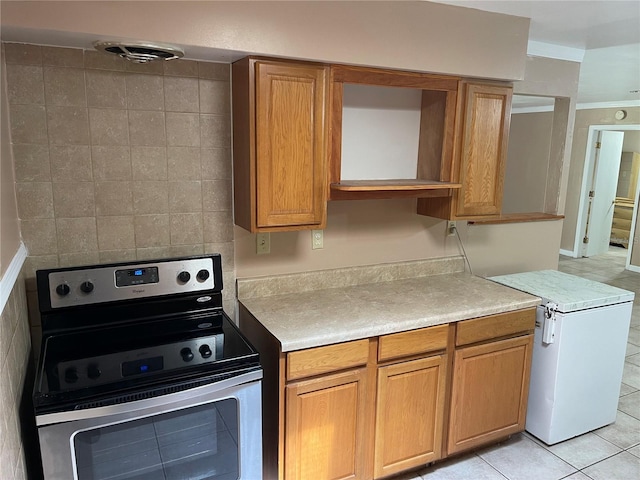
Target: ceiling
<point x="604" y="35"/>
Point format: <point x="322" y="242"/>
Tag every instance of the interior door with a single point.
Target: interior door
<point x="603" y="193"/>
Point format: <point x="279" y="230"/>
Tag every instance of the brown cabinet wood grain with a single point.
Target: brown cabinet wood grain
<point x="409" y="414"/>
<point x="495" y="326"/>
<point x="375" y="407"/>
<point x="481" y="149"/>
<point x="489" y="392"/>
<point x="414" y="342"/>
<point x="280" y="128"/>
<point x="325" y="427"/>
<point x="321" y="360"/>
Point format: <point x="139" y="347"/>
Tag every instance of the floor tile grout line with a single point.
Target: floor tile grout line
<point x="559" y="458"/>
<point x="536" y="442"/>
<point x="604" y="459"/>
<point x="494" y="468"/>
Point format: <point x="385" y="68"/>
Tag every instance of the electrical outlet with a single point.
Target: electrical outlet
<point x="451" y="229"/>
<point x="317" y="239"/>
<point x="263" y="243"/>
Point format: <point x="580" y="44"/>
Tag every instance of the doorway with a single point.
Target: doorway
<point x="599" y="184"/>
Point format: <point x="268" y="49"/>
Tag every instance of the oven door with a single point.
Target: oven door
<point x="208" y="432"/>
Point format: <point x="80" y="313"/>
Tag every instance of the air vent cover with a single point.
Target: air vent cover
<point x="140" y="52"/>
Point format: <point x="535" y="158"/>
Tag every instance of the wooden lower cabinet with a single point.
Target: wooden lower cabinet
<point x="325" y="427"/>
<point x="409" y="414"/>
<point x="375" y="407"/>
<point x="489" y="392"/>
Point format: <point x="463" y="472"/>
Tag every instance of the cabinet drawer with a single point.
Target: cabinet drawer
<point x="316" y="361"/>
<point x="495" y="326"/>
<point x="413" y="342"/>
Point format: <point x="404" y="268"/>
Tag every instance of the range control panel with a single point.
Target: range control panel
<point x="93" y="371"/>
<point x="92" y="285"/>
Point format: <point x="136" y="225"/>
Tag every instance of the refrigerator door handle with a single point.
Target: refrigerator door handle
<point x="549" y="328"/>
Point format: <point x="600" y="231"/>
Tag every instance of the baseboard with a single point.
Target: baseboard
<point x="568" y="253"/>
<point x="633" y="268"/>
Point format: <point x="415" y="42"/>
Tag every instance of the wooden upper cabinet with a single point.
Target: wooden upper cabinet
<point x="484" y="149"/>
<point x="484" y="113"/>
<point x="280" y="143"/>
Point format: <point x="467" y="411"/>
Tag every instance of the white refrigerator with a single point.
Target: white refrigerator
<point x="578" y="355"/>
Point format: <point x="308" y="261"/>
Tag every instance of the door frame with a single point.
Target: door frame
<point x="632" y="233"/>
<point x="594" y="223"/>
<point x="586" y="179"/>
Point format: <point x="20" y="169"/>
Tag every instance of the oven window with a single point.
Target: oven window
<point x="194" y="443"/>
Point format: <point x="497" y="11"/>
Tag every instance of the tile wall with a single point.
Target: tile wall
<point x="113" y="162"/>
<point x="14" y="356"/>
<point x="117" y="161"/>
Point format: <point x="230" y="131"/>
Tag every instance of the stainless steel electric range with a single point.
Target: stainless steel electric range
<point x="142" y="375"/>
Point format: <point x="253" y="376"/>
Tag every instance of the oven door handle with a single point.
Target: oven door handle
<point x="172" y="400"/>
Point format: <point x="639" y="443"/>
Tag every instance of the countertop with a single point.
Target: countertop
<point x="325" y="316"/>
<point x="568" y="292"/>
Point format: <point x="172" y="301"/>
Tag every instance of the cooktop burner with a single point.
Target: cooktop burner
<point x="139" y="329"/>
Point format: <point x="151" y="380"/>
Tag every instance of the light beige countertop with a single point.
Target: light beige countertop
<point x="341" y="307"/>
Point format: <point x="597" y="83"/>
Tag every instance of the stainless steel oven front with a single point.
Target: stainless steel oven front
<point x="208" y="432"/>
<point x="143" y="376"/>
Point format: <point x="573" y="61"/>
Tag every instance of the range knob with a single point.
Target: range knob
<point x="93" y="371"/>
<point x="63" y="289"/>
<point x="205" y="351"/>
<point x="184" y="276"/>
<point x="203" y="275"/>
<point x="186" y="354"/>
<point x="86" y="287"/>
<point x="71" y="375"/>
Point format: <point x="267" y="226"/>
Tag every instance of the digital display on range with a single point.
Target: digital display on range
<point x="136" y="276"/>
<point x="144" y="365"/>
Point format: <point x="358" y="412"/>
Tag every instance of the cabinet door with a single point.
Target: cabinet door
<point x="409" y="414"/>
<point x="325" y="430"/>
<point x="290" y="144"/>
<point x="489" y="393"/>
<point x="485" y="135"/>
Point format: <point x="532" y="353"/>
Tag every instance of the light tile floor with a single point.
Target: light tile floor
<point x="609" y="453"/>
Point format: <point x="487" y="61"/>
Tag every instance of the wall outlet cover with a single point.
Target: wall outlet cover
<point x="317" y="239"/>
<point x="263" y="243"/>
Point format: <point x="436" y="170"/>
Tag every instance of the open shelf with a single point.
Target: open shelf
<point x="393" y="125"/>
<point x="517" y="218"/>
<point x="404" y="188"/>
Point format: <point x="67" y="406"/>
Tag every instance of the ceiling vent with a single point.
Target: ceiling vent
<point x="140" y="52"/>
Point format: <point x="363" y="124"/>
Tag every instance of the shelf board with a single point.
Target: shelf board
<point x="404" y="188"/>
<point x="517" y="218"/>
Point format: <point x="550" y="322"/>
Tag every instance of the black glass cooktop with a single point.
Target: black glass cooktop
<point x="102" y="366"/>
